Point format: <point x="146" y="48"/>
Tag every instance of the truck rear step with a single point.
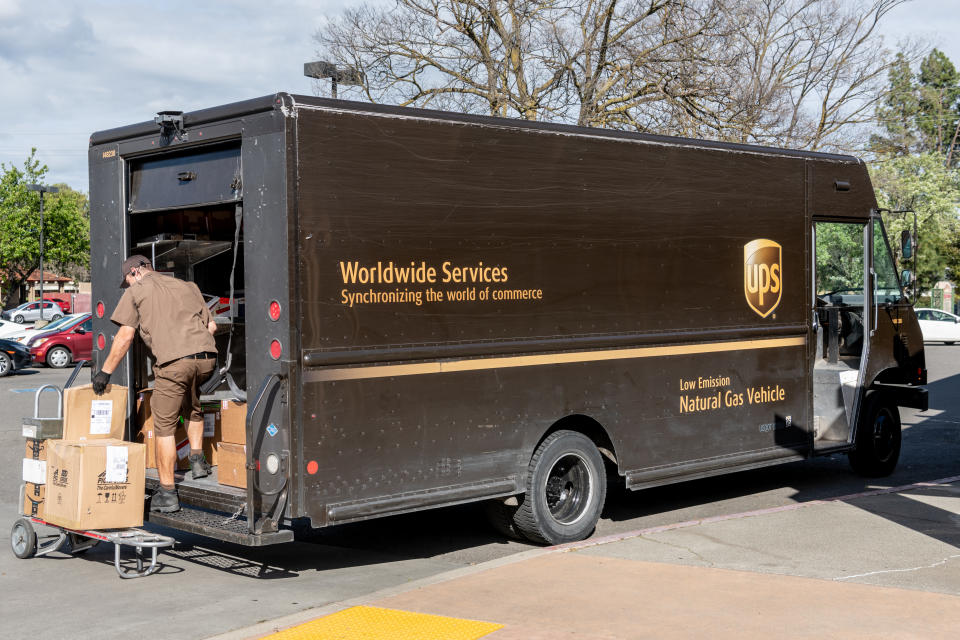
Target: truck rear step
<point x="212" y="510"/>
<point x="220" y="526"/>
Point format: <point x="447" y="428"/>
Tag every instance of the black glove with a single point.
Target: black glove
<point x="100" y="382"/>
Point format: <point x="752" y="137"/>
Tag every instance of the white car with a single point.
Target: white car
<point x="25" y="333"/>
<point x="939" y="326"/>
<point x="8" y="328"/>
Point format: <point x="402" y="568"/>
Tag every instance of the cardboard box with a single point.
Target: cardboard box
<point x="232" y="470"/>
<point x="36" y="449"/>
<point x="233" y="422"/>
<point x="147" y="434"/>
<point x="33" y="495"/>
<point x="94" y="484"/>
<point x="87" y="416"/>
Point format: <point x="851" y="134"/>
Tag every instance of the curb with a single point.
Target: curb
<point x="264" y="628"/>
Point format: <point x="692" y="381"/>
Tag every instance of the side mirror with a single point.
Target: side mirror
<point x="906" y="278"/>
<point x="80" y="331"/>
<point x="906" y="244"/>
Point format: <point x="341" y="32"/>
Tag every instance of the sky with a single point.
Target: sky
<point x="70" y="68"/>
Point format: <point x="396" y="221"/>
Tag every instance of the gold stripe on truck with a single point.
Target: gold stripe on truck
<point x="478" y="364"/>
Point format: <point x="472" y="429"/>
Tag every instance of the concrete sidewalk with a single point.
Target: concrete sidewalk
<point x="876" y="565"/>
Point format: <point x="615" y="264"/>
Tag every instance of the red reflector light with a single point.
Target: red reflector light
<point x="312" y="467"/>
<point x="274" y="310"/>
<point x="101" y="342"/>
<point x="276" y="350"/>
<point x="99" y="309"/>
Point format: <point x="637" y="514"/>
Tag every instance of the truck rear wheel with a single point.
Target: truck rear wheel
<point x="877" y="448"/>
<point x="566" y="488"/>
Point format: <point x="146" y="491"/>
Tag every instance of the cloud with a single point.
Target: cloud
<point x="75" y="68"/>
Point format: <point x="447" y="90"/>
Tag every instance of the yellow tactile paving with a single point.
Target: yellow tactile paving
<point x="375" y="623"/>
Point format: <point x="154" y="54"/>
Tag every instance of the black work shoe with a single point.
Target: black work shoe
<point x="199" y="466"/>
<point x="164" y="501"/>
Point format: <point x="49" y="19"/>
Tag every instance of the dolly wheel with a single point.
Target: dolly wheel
<point x="23" y="539"/>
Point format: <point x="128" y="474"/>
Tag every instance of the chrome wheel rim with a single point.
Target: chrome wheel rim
<point x="568" y="488"/>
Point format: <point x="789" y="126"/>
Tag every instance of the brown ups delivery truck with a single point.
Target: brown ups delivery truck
<point x="423" y="309"/>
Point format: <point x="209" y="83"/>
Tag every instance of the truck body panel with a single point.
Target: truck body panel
<point x="451" y="289"/>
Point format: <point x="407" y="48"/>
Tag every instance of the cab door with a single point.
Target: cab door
<point x="843" y="314"/>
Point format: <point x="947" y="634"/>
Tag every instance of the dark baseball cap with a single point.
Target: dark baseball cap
<point x="132" y="262"/>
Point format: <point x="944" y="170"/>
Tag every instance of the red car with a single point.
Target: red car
<point x="63" y="347"/>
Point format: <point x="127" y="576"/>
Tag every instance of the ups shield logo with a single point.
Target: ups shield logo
<point x="762" y="275"/>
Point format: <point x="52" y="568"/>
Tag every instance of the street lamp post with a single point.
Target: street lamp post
<point x="323" y="69"/>
<point x="41" y="189"/>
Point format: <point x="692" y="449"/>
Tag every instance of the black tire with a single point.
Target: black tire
<point x="18" y="319"/>
<point x="59" y="357"/>
<point x="877" y="449"/>
<point x="23" y="539"/>
<point x="501" y="517"/>
<point x="6" y="365"/>
<point x="565" y="490"/>
<point x="56" y="316"/>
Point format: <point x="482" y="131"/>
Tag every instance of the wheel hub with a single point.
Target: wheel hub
<point x="567" y="489"/>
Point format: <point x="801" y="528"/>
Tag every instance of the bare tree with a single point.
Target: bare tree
<point x="799" y="73"/>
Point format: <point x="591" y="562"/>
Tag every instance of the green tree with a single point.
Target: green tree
<point x="897" y="114"/>
<point x="66" y="226"/>
<point x="921" y="112"/>
<point x="939" y="92"/>
<point x="924" y="184"/>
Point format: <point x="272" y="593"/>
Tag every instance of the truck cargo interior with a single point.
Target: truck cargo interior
<point x="197" y="245"/>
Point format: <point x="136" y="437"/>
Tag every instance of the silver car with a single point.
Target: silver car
<point x="30" y="312"/>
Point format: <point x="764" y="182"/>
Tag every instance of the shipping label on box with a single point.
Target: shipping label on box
<point x="34" y="471"/>
<point x="87" y="416"/>
<point x="33" y="495"/>
<point x="36" y="449"/>
<point x="95" y="484"/>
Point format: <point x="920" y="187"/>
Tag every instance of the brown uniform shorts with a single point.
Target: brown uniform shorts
<point x="176" y="392"/>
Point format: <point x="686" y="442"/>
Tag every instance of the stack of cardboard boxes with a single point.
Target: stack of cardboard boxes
<point x="224" y="438"/>
<point x="232" y="448"/>
<point x="90" y="478"/>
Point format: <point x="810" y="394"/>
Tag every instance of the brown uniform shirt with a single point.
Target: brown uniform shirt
<point x="170" y="314"/>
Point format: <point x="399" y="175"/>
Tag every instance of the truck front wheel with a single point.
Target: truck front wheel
<point x="877" y="448"/>
<point x="565" y="490"/>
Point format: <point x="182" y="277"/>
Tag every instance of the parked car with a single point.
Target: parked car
<point x="9" y="328"/>
<point x="13" y="357"/>
<point x="939" y="326"/>
<point x="59" y="348"/>
<point x="28" y="331"/>
<point x="58" y="326"/>
<point x="30" y="311"/>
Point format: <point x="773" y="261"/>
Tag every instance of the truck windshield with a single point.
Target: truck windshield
<point x="888" y="285"/>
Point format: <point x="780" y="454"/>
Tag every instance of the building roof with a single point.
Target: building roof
<point x="47" y="277"/>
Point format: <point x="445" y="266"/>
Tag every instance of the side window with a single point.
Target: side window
<point x="888" y="285"/>
<point x="940" y="316"/>
<point x="33" y="306"/>
<point x="87" y="325"/>
<point x="839" y="258"/>
<point x="923" y="315"/>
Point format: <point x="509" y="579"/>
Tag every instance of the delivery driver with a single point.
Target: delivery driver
<point x="177" y="327"/>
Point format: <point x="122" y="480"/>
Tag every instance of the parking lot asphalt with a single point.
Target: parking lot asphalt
<point x="802" y="550"/>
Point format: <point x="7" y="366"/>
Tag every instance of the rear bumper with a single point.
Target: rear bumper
<point x="904" y="396"/>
